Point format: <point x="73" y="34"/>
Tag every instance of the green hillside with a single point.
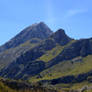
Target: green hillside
<point x="9" y="55"/>
<point x="24" y="41"/>
<point x="74" y="67"/>
<point x="51" y="54"/>
<point x="51" y="60"/>
<point x="4" y="88"/>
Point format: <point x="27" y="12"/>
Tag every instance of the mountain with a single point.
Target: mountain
<point x="39" y="31"/>
<point x="24" y="41"/>
<point x="55" y="60"/>
<point x="27" y="64"/>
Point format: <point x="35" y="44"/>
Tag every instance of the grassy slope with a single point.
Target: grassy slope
<point x="74" y="67"/>
<point x="49" y="55"/>
<point x="89" y="90"/>
<point x="4" y="88"/>
<point x="66" y="68"/>
<point x="7" y="56"/>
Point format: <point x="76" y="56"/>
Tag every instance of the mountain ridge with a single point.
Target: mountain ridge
<point x="37" y="52"/>
<point x="51" y="60"/>
<point x="27" y="34"/>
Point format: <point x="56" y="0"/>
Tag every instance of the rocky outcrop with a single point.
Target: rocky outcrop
<point x="61" y="37"/>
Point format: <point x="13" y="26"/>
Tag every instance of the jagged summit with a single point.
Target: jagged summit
<point x="61" y="32"/>
<point x="42" y="24"/>
<point x="61" y="37"/>
<point x="37" y="24"/>
<point x="39" y="31"/>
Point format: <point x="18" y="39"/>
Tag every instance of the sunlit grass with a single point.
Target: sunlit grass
<point x="66" y="68"/>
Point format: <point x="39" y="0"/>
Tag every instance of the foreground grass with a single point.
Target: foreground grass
<point x="4" y="87"/>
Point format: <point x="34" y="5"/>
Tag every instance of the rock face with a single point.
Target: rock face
<point x="39" y="31"/>
<point x="61" y="37"/>
<point x="78" y="48"/>
<point x="14" y="70"/>
<point x="19" y="71"/>
<point x="26" y="63"/>
<point x="23" y="42"/>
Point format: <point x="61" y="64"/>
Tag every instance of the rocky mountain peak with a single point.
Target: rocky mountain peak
<point x="38" y="30"/>
<point x="61" y="31"/>
<point x="42" y="24"/>
<point x="61" y="37"/>
<point x="37" y="25"/>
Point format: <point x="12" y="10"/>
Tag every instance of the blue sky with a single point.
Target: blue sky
<point x="75" y="16"/>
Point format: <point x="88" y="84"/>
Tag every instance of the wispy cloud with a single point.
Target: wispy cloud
<point x="74" y="12"/>
<point x="50" y="18"/>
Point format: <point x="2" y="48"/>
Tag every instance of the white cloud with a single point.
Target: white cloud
<point x="74" y="12"/>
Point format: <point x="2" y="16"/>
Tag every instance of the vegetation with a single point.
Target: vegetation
<point x="73" y="67"/>
<point x="4" y="88"/>
<point x="12" y="87"/>
<point x="51" y="54"/>
<point x="55" y="59"/>
<point x="6" y="57"/>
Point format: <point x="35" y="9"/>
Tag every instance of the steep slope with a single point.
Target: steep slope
<point x="27" y="64"/>
<point x="61" y="37"/>
<point x="40" y="31"/>
<point x="24" y="41"/>
<point x="71" y="69"/>
<point x="76" y="66"/>
<point x="78" y="48"/>
<point x="72" y="66"/>
<point x="57" y="59"/>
